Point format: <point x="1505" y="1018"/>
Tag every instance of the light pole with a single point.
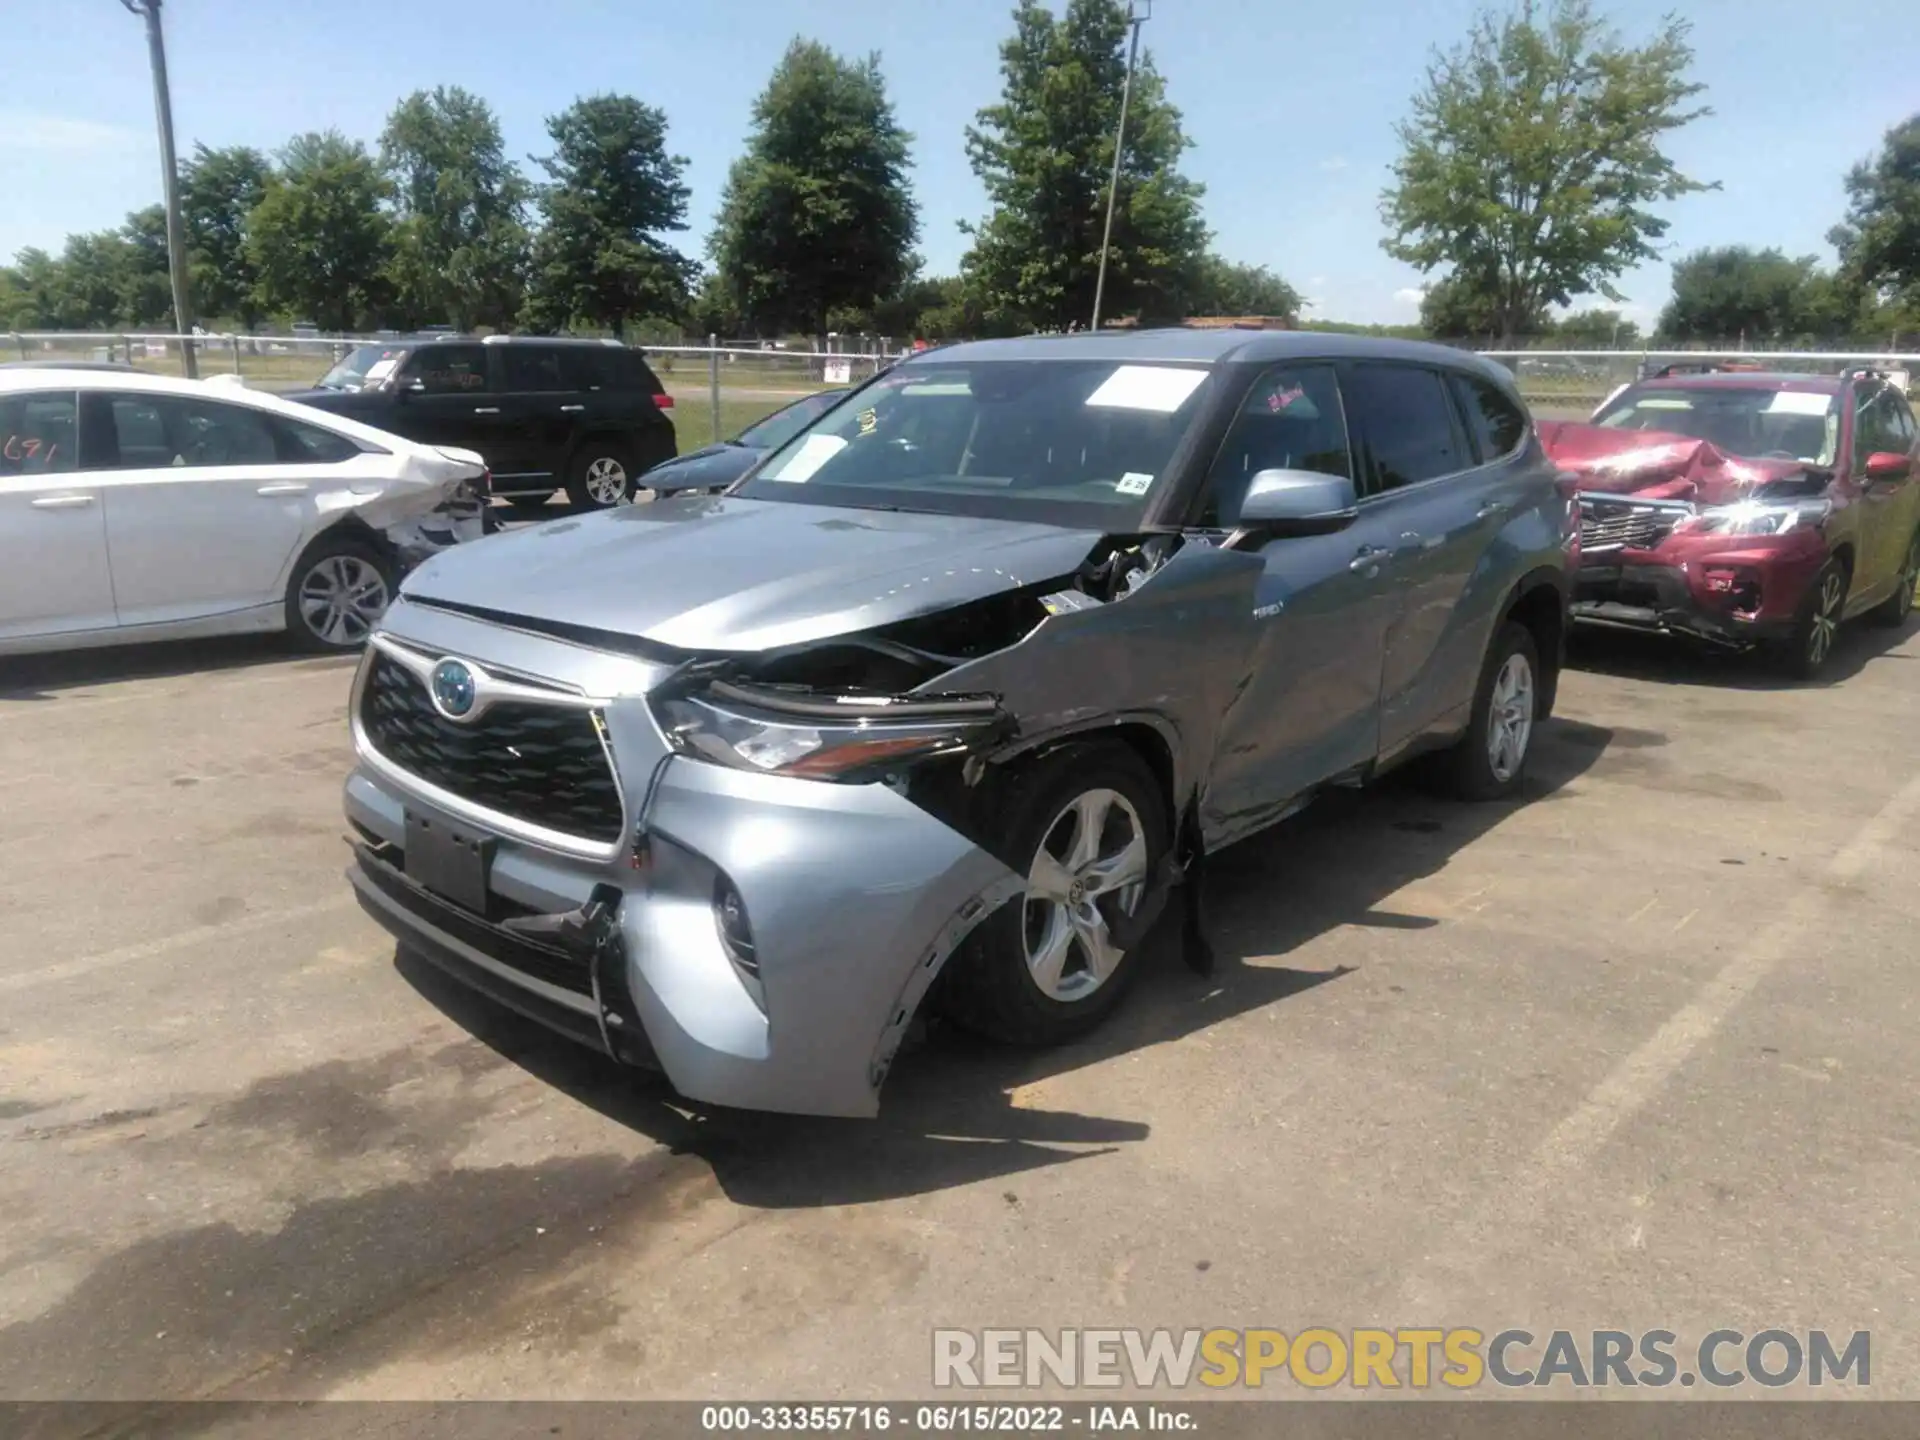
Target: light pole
<point x="176" y="239"/>
<point x="1136" y="17"/>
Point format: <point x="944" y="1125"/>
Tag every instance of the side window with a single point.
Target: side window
<point x="1497" y="425"/>
<point x="588" y="367"/>
<point x="449" y="369"/>
<point x="1407" y="420"/>
<point x="1875" y="428"/>
<point x="37" y="434"/>
<point x="159" y="431"/>
<point x="1292" y="419"/>
<point x="533" y="367"/>
<point x="301" y="444"/>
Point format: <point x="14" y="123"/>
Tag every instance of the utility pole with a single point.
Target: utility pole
<point x="1135" y="19"/>
<point x="169" y="172"/>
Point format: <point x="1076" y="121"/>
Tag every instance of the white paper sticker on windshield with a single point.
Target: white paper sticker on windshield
<point x="1799" y="402"/>
<point x="380" y="369"/>
<point x="814" y="452"/>
<point x="1660" y="402"/>
<point x="1134" y="483"/>
<point x="1159" y="388"/>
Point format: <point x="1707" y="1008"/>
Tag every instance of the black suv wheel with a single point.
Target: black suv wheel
<point x="600" y="475"/>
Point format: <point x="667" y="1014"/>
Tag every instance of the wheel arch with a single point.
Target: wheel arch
<point x="1538" y="603"/>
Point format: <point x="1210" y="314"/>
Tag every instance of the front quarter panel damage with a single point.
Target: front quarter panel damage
<point x="1172" y="653"/>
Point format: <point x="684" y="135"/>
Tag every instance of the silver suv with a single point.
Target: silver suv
<point x="949" y="696"/>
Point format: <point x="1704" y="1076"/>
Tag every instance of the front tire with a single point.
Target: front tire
<point x="1806" y="652"/>
<point x="1088" y="825"/>
<point x="1490" y="760"/>
<point x="601" y="475"/>
<point x="1892" y="612"/>
<point x="338" y="591"/>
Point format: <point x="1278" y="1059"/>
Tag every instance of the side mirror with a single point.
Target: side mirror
<point x="1887" y="465"/>
<point x="1281" y="503"/>
<point x="409" y="387"/>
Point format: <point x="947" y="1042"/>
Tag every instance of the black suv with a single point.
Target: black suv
<point x="584" y="415"/>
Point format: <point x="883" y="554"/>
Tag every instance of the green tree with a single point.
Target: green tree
<point x="818" y="215"/>
<point x="461" y="241"/>
<point x="146" y="284"/>
<point x="1596" y="330"/>
<point x="613" y="190"/>
<point x="1045" y="154"/>
<point x="1533" y="155"/>
<point x="1465" y="305"/>
<point x="1734" y="294"/>
<point x="36" y="281"/>
<point x="319" y="240"/>
<point x="1879" y="241"/>
<point x="1226" y="287"/>
<point x="218" y="192"/>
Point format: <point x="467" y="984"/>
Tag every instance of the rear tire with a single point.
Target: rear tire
<point x="1804" y="655"/>
<point x="1892" y="612"/>
<point x="338" y="591"/>
<point x="1490" y="760"/>
<point x="600" y="475"/>
<point x="1041" y="970"/>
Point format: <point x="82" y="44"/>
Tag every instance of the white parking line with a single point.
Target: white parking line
<point x="1636" y="1079"/>
<point x="152" y="949"/>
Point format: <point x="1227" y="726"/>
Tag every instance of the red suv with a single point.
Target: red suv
<point x="1747" y="508"/>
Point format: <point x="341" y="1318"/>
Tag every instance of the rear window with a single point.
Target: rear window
<point x="1498" y="425"/>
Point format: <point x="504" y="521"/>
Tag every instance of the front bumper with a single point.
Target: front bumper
<point x="856" y="898"/>
<point x="1729" y="591"/>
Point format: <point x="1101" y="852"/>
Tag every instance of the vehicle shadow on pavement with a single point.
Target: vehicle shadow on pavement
<point x="1676" y="661"/>
<point x="43" y="677"/>
<point x="953" y="1112"/>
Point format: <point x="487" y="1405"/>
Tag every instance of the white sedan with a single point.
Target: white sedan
<point x="136" y="507"/>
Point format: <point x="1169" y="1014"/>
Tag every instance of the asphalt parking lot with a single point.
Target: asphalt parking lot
<point x="1639" y="1052"/>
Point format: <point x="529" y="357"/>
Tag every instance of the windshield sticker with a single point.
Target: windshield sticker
<point x="1158" y="388"/>
<point x="1799" y="402"/>
<point x="1661" y="402"/>
<point x="1134" y="483"/>
<point x="869" y="421"/>
<point x="380" y="369"/>
<point x="814" y="452"/>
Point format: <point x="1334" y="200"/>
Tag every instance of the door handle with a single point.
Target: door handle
<point x="1367" y="559"/>
<point x="486" y="409"/>
<point x="570" y="409"/>
<point x="62" y="502"/>
<point x="283" y="487"/>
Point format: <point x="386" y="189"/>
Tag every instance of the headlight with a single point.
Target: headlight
<point x="819" y="739"/>
<point x="1756" y="517"/>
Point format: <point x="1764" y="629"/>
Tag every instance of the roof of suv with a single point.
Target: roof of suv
<point x="1213" y="347"/>
<point x="414" y="341"/>
<point x="1750" y="380"/>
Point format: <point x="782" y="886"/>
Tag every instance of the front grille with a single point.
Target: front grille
<point x="1605" y="526"/>
<point x="541" y="764"/>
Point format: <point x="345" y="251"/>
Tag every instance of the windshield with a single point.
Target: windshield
<point x="365" y="365"/>
<point x="1755" y="424"/>
<point x="781" y="426"/>
<point x="1067" y="442"/>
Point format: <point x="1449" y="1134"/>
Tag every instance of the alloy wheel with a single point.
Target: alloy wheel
<point x="1090" y="870"/>
<point x="1825" y="622"/>
<point x="341" y="599"/>
<point x="1510" y="718"/>
<point x="606" y="480"/>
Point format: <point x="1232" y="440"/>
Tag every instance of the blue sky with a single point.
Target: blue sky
<point x="1291" y="107"/>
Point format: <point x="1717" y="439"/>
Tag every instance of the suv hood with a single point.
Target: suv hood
<point x="1655" y="465"/>
<point x="718" y="573"/>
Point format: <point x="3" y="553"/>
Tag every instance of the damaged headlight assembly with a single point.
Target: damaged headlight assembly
<point x="776" y="731"/>
<point x="1757" y="517"/>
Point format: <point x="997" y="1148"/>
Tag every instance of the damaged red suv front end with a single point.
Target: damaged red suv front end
<point x="1677" y="536"/>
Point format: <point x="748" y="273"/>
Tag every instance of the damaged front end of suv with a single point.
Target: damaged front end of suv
<point x="748" y="868"/>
